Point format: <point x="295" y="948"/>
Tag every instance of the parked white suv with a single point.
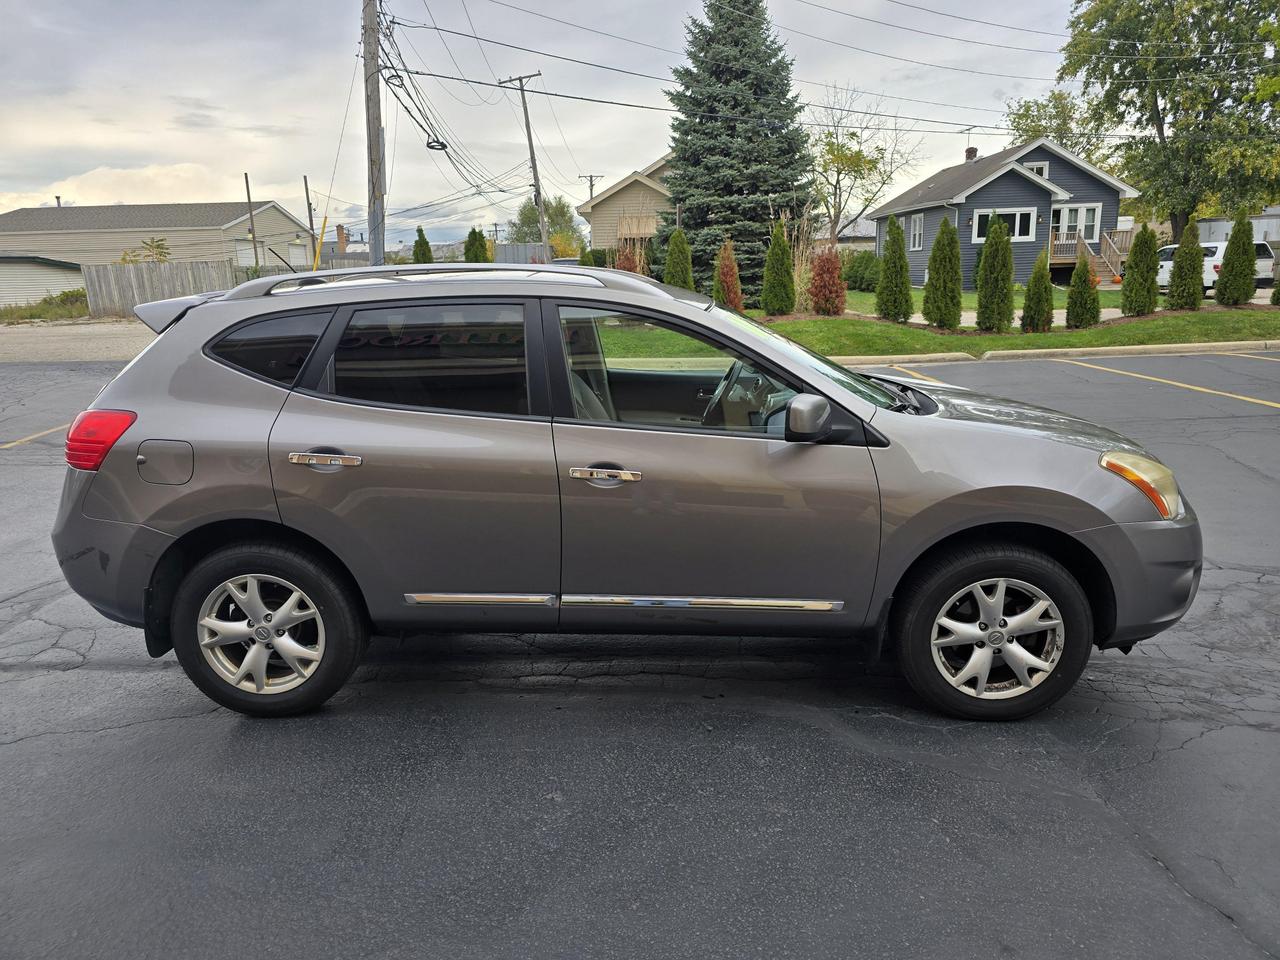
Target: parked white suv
<point x="1214" y="250"/>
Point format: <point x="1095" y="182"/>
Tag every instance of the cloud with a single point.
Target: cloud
<point x="155" y="183"/>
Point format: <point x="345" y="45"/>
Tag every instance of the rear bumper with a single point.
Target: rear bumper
<point x="1155" y="569"/>
<point x="107" y="562"/>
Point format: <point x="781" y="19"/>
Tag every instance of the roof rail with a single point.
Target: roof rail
<point x="614" y="279"/>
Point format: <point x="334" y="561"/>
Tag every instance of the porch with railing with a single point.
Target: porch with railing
<point x="1107" y="254"/>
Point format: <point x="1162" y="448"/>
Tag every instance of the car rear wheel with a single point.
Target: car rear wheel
<point x="994" y="632"/>
<point x="267" y="630"/>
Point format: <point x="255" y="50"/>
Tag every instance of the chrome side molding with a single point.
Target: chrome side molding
<point x="703" y="603"/>
<point x="530" y="599"/>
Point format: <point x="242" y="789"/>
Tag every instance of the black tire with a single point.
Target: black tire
<point x="345" y="630"/>
<point x="921" y="600"/>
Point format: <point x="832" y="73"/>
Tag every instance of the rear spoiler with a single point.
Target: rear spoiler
<point x="160" y="315"/>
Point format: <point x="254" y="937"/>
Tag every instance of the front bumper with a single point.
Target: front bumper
<point x="107" y="562"/>
<point x="1155" y="570"/>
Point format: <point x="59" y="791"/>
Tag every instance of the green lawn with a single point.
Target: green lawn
<point x="852" y="336"/>
<point x="860" y="302"/>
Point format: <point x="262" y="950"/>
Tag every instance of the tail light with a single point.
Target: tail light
<point x="1217" y="268"/>
<point x="93" y="434"/>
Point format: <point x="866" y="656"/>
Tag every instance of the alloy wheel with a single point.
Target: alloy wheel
<point x="261" y="634"/>
<point x="997" y="638"/>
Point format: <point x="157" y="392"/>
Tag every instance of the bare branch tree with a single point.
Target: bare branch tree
<point x="856" y="156"/>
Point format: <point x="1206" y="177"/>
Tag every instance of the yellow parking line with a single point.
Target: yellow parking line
<point x="914" y="373"/>
<point x="34" y="436"/>
<point x="1254" y="356"/>
<point x="1174" y="383"/>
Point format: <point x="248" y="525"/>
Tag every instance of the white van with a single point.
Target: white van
<point x="1213" y="253"/>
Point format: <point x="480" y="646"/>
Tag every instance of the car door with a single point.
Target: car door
<point x="418" y="449"/>
<point x="683" y="507"/>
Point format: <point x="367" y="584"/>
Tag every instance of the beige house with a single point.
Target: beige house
<point x="26" y="278"/>
<point x="193" y="231"/>
<point x="630" y="208"/>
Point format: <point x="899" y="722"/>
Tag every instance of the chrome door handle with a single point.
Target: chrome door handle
<point x="604" y="473"/>
<point x="325" y="459"/>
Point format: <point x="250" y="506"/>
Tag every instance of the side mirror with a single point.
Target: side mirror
<point x="808" y="418"/>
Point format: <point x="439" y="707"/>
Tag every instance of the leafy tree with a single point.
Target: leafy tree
<point x="826" y="288"/>
<point x="778" y="295"/>
<point x="564" y="244"/>
<point x="1140" y="294"/>
<point x="475" y="250"/>
<point x="1082" y="296"/>
<point x="893" y="293"/>
<point x="156" y="249"/>
<point x="422" y="249"/>
<point x="1064" y="117"/>
<point x="1203" y="137"/>
<point x="678" y="270"/>
<point x="1186" y="277"/>
<point x="1238" y="280"/>
<point x="524" y="228"/>
<point x="1037" y="304"/>
<point x="858" y="150"/>
<point x="739" y="153"/>
<point x="995" y="280"/>
<point x="942" y="288"/>
<point x="726" y="289"/>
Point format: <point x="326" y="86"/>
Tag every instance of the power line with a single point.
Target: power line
<point x="346" y="111"/>
<point x="739" y="66"/>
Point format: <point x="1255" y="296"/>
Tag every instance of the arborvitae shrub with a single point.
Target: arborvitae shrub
<point x="1237" y="281"/>
<point x="1037" y="302"/>
<point x="1082" y="297"/>
<point x="422" y="249"/>
<point x="1186" y="279"/>
<point x="678" y="270"/>
<point x="778" y="295"/>
<point x="726" y="287"/>
<point x="942" y="288"/>
<point x="1140" y="295"/>
<point x="475" y="250"/>
<point x="995" y="284"/>
<point x="893" y="293"/>
<point x="826" y="288"/>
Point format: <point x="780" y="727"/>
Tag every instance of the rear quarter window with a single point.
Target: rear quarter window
<point x="275" y="348"/>
<point x="1263" y="251"/>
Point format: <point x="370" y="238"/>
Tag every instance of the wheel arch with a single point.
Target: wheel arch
<point x="1081" y="562"/>
<point x="188" y="549"/>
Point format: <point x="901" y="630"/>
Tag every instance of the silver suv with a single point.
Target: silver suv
<point x="307" y="459"/>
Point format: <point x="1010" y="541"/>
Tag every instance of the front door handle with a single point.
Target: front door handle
<point x="605" y="473"/>
<point x="320" y="459"/>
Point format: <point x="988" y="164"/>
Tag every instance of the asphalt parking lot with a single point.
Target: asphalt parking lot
<point x="535" y="796"/>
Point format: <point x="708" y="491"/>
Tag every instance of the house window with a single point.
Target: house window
<point x="917" y="231"/>
<point x="1039" y="167"/>
<point x="1067" y="223"/>
<point x="1021" y="224"/>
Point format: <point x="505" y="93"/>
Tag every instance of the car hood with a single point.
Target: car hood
<point x="959" y="403"/>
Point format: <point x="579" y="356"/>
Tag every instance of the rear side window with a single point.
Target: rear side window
<point x="275" y="348"/>
<point x="1263" y="251"/>
<point x="464" y="357"/>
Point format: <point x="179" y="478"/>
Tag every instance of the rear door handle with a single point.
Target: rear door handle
<point x="326" y="459"/>
<point x="605" y="473"/>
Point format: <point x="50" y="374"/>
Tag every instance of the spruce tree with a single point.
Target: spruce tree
<point x="1237" y="282"/>
<point x="678" y="270"/>
<point x="826" y="288"/>
<point x="942" y="288"/>
<point x="422" y="249"/>
<point x="1082" y="297"/>
<point x="739" y="153"/>
<point x="1037" y="305"/>
<point x="475" y="250"/>
<point x="995" y="280"/>
<point x="1140" y="295"/>
<point x="893" y="292"/>
<point x="778" y="295"/>
<point x="726" y="289"/>
<point x="1186" y="279"/>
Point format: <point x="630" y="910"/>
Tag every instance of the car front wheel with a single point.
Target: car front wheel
<point x="266" y="630"/>
<point x="994" y="632"/>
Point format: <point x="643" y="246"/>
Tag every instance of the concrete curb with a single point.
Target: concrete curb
<point x="1054" y="353"/>
<point x="873" y="361"/>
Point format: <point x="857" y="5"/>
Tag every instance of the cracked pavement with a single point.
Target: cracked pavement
<point x="543" y="796"/>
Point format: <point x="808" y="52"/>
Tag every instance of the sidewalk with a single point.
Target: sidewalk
<point x="52" y="341"/>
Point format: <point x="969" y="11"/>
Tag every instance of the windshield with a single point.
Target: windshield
<point x="841" y="376"/>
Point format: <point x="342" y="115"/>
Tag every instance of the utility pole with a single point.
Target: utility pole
<point x="591" y="179"/>
<point x="495" y="234"/>
<point x="373" y="130"/>
<point x="253" y="231"/>
<point x="533" y="162"/>
<point x="311" y="219"/>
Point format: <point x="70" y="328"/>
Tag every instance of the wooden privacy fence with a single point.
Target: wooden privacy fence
<point x="114" y="289"/>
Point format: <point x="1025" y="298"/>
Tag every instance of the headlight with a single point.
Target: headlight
<point x="1150" y="476"/>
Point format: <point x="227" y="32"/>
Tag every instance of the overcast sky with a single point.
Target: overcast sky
<point x="115" y="102"/>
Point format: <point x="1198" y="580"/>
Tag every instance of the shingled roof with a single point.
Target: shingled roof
<point x="127" y="216"/>
<point x="946" y="183"/>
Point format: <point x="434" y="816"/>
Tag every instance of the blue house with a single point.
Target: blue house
<point x="1046" y="194"/>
